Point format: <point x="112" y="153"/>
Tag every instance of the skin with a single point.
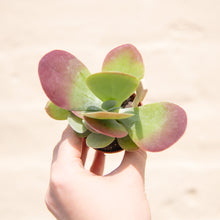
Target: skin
<point x="75" y="193"/>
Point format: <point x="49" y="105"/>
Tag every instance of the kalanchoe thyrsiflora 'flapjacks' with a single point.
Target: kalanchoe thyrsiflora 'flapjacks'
<point x="95" y="104"/>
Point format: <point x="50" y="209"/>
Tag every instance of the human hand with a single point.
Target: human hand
<point x="75" y="193"/>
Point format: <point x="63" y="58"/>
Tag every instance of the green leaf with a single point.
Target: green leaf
<point x="85" y="134"/>
<point x="76" y="124"/>
<point x="127" y="144"/>
<point x="107" y="127"/>
<point x="114" y="109"/>
<point x="157" y="126"/>
<point x="112" y="86"/>
<point x="56" y="112"/>
<point x="126" y="59"/>
<point x="107" y="115"/>
<point x="63" y="77"/>
<point x="109" y="104"/>
<point x="93" y="109"/>
<point x="140" y="94"/>
<point x="98" y="140"/>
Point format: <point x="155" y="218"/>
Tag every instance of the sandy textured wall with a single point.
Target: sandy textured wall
<point x="179" y="41"/>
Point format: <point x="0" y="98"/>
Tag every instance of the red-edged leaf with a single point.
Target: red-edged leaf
<point x="107" y="127"/>
<point x="62" y="77"/>
<point x="157" y="126"/>
<point x="126" y="59"/>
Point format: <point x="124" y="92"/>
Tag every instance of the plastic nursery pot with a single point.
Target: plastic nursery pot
<point x="105" y="108"/>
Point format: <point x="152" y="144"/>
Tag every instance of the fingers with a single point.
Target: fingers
<point x="98" y="163"/>
<point x="134" y="161"/>
<point x="85" y="149"/>
<point x="68" y="151"/>
<point x="97" y="166"/>
<point x="71" y="153"/>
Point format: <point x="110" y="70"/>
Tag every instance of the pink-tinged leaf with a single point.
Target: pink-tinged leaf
<point x="56" y="112"/>
<point x="107" y="127"/>
<point x="79" y="114"/>
<point x="62" y="77"/>
<point x="126" y="59"/>
<point x="88" y="127"/>
<point x="156" y="127"/>
<point x="107" y="115"/>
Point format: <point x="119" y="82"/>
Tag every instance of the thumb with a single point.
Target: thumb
<point x="135" y="161"/>
<point x="68" y="151"/>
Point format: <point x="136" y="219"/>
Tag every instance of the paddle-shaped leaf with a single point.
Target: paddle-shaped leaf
<point x="127" y="144"/>
<point x="112" y="86"/>
<point x="62" y="77"/>
<point x="88" y="127"/>
<point x="109" y="104"/>
<point x="107" y="127"/>
<point x="155" y="127"/>
<point x="107" y="115"/>
<point x="56" y="112"/>
<point x="89" y="109"/>
<point x="76" y="124"/>
<point x="98" y="140"/>
<point x="126" y="59"/>
<point x="83" y="135"/>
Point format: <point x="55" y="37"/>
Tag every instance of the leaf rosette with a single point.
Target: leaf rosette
<point x="99" y="106"/>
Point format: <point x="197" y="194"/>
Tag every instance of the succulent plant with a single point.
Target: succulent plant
<point x="105" y="108"/>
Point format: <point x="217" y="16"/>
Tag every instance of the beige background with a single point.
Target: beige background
<point x="179" y="41"/>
